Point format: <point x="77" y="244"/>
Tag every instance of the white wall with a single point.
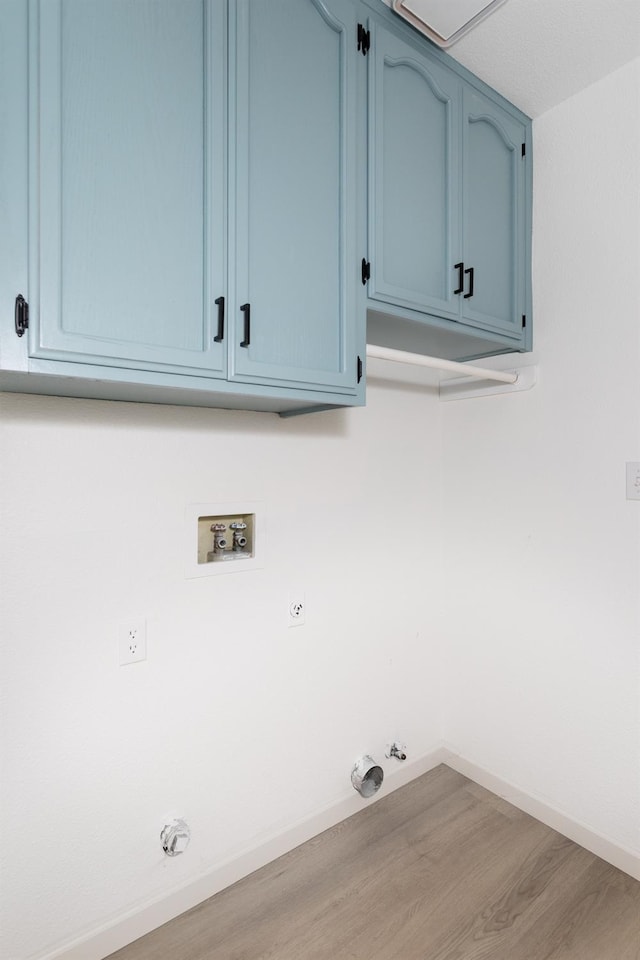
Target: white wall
<point x="245" y="726"/>
<point x="236" y="722"/>
<point x="542" y="649"/>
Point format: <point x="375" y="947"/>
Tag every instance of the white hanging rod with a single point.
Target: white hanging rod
<point x="453" y="366"/>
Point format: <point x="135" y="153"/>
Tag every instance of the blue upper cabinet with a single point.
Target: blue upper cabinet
<point x="195" y="212"/>
<point x="292" y="190"/>
<point x="128" y="103"/>
<point x="187" y="228"/>
<point x="449" y="202"/>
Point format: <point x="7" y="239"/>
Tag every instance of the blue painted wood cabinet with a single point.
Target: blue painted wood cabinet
<point x="186" y="238"/>
<point x="449" y="204"/>
<point x="195" y="212"/>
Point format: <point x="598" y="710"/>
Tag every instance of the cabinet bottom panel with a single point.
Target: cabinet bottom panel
<point x="439" y="338"/>
<point x="93" y="383"/>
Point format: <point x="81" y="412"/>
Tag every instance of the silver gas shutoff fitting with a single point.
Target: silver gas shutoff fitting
<point x="397" y="750"/>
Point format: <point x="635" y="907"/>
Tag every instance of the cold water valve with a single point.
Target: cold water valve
<point x="239" y="535"/>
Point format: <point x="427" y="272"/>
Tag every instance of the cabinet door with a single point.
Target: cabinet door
<point x="413" y="177"/>
<point x="14" y="184"/>
<point x="130" y="105"/>
<point x="493" y="216"/>
<point x="292" y="187"/>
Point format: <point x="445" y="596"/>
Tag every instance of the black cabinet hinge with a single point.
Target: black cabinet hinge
<point x="364" y="39"/>
<point x="524" y="149"/>
<point x="359" y="369"/>
<point x="366" y="271"/>
<point x="21" y="315"/>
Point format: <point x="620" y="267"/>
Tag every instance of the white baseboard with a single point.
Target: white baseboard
<point x="146" y="918"/>
<point x="620" y="857"/>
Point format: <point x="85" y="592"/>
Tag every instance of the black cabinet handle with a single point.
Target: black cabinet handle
<point x="21" y="315"/>
<point x="246" y="309"/>
<point x="471" y="273"/>
<point x="220" y="305"/>
<point x="460" y="268"/>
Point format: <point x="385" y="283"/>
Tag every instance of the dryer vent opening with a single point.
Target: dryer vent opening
<point x="367" y="776"/>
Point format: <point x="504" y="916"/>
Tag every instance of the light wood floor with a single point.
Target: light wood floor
<point x="438" y="870"/>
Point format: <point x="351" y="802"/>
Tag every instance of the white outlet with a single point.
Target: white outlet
<point x="132" y="641"/>
<point x="297" y="609"/>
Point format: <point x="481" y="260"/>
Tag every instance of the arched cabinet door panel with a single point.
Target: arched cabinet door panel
<point x="413" y="176"/>
<point x="493" y="215"/>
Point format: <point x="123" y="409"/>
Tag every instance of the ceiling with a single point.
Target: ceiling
<point x="538" y="53"/>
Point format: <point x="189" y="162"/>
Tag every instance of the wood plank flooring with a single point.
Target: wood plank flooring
<point x="438" y="870"/>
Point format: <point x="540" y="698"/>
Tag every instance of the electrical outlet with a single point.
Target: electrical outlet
<point x="297" y="610"/>
<point x="633" y="481"/>
<point x="132" y="641"/>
